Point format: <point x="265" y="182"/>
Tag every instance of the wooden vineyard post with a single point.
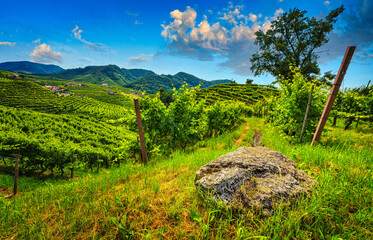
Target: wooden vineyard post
<point x="333" y="93"/>
<point x="16" y="171"/>
<point x="138" y="142"/>
<point x="141" y="133"/>
<point x="306" y="115"/>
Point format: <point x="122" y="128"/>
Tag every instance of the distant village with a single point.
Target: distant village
<point x="62" y="91"/>
<point x="65" y="92"/>
<point x="132" y="92"/>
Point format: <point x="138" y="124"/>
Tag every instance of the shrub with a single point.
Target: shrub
<point x="288" y="109"/>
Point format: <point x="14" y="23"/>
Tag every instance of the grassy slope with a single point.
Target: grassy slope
<point x="160" y="201"/>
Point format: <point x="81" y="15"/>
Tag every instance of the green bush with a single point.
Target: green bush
<point x="184" y="122"/>
<point x="288" y="109"/>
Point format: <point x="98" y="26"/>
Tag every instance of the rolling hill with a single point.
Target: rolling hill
<point x="30" y="67"/>
<point x="138" y="79"/>
<point x="152" y="83"/>
<point x="247" y="93"/>
<point x="109" y="74"/>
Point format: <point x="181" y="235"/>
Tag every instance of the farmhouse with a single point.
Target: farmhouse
<point x="104" y="85"/>
<point x="13" y="75"/>
<point x="65" y="92"/>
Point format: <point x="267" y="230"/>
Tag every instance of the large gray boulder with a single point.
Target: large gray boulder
<point x="257" y="178"/>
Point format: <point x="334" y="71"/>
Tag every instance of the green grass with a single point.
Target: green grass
<point x="160" y="201"/>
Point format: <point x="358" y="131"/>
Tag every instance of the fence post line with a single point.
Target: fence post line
<point x="16" y="172"/>
<point x="306" y="115"/>
<point x="141" y="133"/>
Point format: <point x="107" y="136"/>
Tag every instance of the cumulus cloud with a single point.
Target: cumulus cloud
<point x="232" y="35"/>
<point x="140" y="59"/>
<point x="43" y="53"/>
<point x="10" y="44"/>
<point x="233" y="15"/>
<point x="326" y="3"/>
<point x="77" y="33"/>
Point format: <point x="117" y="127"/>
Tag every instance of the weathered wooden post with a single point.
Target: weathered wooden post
<point x="333" y="93"/>
<point x="306" y="115"/>
<point x="141" y="133"/>
<point x="16" y="172"/>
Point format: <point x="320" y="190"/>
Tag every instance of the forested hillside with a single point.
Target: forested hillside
<point x="110" y="74"/>
<point x="138" y="79"/>
<point x="30" y="67"/>
<point x="153" y="83"/>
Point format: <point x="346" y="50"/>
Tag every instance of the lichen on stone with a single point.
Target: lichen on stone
<point x="255" y="178"/>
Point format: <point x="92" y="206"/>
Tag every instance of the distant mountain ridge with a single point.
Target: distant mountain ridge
<point x="30" y="67"/>
<point x="153" y="83"/>
<point x="138" y="79"/>
<point x="110" y="74"/>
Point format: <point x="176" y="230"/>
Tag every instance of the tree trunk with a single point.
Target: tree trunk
<point x="350" y="120"/>
<point x="16" y="172"/>
<point x="334" y="121"/>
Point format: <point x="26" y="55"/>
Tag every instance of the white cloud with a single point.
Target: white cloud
<point x="36" y="41"/>
<point x="327" y="3"/>
<point x="44" y="53"/>
<point x="77" y="33"/>
<point x="137" y="22"/>
<point x="231" y="36"/>
<point x="233" y="14"/>
<point x="140" y="58"/>
<point x="10" y="44"/>
<point x="357" y="31"/>
<point x="277" y="13"/>
<point x="95" y="46"/>
<point x="253" y="18"/>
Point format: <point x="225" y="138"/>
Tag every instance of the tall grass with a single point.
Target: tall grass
<point x="159" y="200"/>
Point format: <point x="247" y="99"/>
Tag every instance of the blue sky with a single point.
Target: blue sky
<point x="210" y="39"/>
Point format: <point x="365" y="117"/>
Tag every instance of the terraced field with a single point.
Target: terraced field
<point x="249" y="93"/>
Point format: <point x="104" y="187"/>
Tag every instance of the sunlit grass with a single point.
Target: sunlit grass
<point x="159" y="200"/>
